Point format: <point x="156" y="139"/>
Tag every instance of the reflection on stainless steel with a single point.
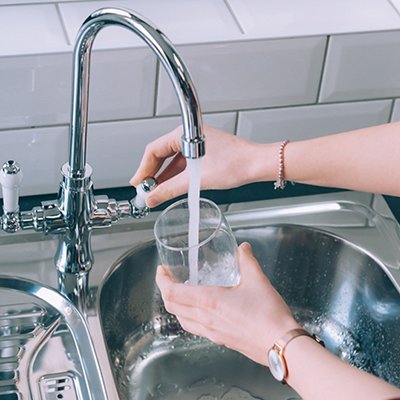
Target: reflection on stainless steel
<point x="325" y="281"/>
<point x="327" y="255"/>
<point x="77" y="210"/>
<point x="335" y="289"/>
<point x="40" y="336"/>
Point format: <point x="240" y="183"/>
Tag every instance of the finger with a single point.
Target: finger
<point x="246" y="247"/>
<point x="193" y="327"/>
<point x="246" y="257"/>
<point x="200" y="315"/>
<point x="167" y="190"/>
<point x="187" y="295"/>
<point x="155" y="154"/>
<point x="176" y="166"/>
<point x="250" y="269"/>
<point x="197" y="329"/>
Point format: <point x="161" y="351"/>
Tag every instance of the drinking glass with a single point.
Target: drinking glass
<point x="216" y="252"/>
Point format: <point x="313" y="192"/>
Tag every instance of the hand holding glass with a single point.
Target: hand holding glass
<point x="216" y="252"/>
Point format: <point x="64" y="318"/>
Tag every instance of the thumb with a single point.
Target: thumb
<point x="167" y="190"/>
<point x="248" y="263"/>
<point x="246" y="248"/>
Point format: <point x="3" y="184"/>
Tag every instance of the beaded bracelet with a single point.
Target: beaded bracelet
<point x="280" y="183"/>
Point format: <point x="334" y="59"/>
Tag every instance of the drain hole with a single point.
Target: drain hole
<point x="59" y="387"/>
<point x="9" y="396"/>
<point x="7" y="375"/>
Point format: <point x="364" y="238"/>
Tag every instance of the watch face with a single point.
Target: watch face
<point x="276" y="365"/>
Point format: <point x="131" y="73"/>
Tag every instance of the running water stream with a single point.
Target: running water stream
<point x="194" y="168"/>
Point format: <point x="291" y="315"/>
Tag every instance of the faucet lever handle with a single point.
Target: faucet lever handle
<point x="10" y="180"/>
<point x="138" y="203"/>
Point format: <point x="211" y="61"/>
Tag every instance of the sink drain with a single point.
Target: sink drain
<point x="59" y="387"/>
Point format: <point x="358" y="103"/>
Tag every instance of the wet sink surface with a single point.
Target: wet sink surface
<point x="334" y="289"/>
<point x="45" y="350"/>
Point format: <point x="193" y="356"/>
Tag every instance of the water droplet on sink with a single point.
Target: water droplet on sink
<point x="166" y="389"/>
<point x="203" y="382"/>
<point x="238" y="394"/>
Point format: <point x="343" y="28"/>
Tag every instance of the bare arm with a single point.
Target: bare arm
<point x="250" y="317"/>
<point x="366" y="160"/>
<point x="317" y="374"/>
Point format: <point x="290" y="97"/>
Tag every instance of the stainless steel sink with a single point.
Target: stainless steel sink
<point x="335" y="288"/>
<point x="46" y="352"/>
<point x="334" y="258"/>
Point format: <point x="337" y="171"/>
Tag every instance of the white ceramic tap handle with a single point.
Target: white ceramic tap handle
<point x="140" y="199"/>
<point x="138" y="203"/>
<point x="10" y="180"/>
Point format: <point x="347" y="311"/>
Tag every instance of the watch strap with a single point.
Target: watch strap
<point x="284" y="340"/>
<point x="280" y="345"/>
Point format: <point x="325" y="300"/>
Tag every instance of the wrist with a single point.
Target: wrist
<point x="264" y="163"/>
<point x="268" y="334"/>
<point x="281" y="329"/>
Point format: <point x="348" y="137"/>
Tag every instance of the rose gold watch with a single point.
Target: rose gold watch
<point x="276" y="355"/>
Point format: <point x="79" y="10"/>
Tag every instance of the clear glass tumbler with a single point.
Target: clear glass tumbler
<point x="216" y="252"/>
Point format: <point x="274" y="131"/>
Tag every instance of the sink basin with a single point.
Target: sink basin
<point x="40" y="356"/>
<point x="335" y="258"/>
<point x="334" y="288"/>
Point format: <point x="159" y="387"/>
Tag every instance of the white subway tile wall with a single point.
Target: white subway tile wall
<point x="194" y="21"/>
<point x="30" y="29"/>
<point x="263" y="70"/>
<point x="396" y="4"/>
<point x="298" y="123"/>
<point x="255" y="74"/>
<point x="260" y="18"/>
<point x="122" y="84"/>
<point x="40" y="153"/>
<point x="362" y="66"/>
<point x="396" y="111"/>
<point x="35" y="90"/>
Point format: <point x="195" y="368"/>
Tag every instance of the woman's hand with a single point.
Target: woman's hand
<point x="247" y="318"/>
<point x="229" y="161"/>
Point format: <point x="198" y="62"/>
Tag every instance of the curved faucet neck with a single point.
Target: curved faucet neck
<point x="193" y="137"/>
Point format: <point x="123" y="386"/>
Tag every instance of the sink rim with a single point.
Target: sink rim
<point x="75" y="321"/>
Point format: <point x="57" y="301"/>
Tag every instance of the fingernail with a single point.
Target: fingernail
<point x="246" y="246"/>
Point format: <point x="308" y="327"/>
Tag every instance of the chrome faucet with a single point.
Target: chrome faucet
<point x="77" y="211"/>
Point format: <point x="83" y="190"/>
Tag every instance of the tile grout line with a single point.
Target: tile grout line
<point x="394" y="7"/>
<point x="391" y="111"/>
<point x="63" y="25"/>
<point x="318" y="99"/>
<point x="234" y="16"/>
<point x="235" y="111"/>
<point x="236" y="123"/>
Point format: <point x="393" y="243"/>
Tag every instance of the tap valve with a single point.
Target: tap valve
<point x="10" y="180"/>
<point x="138" y="203"/>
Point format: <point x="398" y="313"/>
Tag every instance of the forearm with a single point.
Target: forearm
<point x="314" y="371"/>
<point x="366" y="160"/>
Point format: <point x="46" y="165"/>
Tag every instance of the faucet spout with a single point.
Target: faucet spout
<point x="80" y="210"/>
<point x="77" y="211"/>
<point x="193" y="136"/>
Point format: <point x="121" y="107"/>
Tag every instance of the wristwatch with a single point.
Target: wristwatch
<point x="276" y="355"/>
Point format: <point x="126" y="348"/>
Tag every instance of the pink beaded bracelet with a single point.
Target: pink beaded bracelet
<point x="280" y="183"/>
